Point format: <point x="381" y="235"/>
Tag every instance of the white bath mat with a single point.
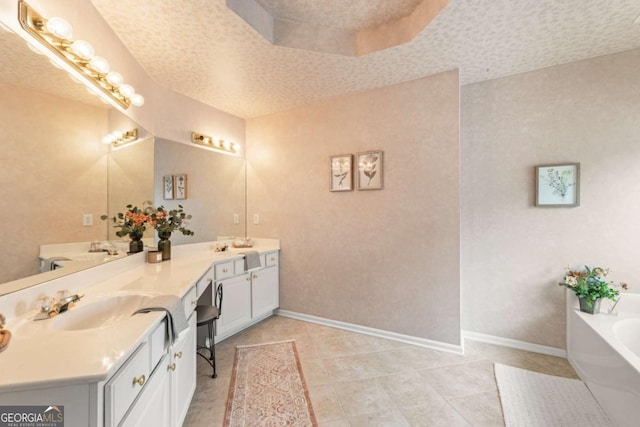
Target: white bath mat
<point x="531" y="399"/>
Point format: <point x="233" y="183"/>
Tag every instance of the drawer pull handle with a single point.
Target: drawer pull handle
<point x="179" y="355"/>
<point x="172" y="367"/>
<point x="273" y="259"/>
<point x="194" y="302"/>
<point x="255" y="276"/>
<point x="140" y="381"/>
<point x="224" y="270"/>
<point x="248" y="278"/>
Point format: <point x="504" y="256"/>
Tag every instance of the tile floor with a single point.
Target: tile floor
<point x="357" y="380"/>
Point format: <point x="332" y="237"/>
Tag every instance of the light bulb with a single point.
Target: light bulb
<point x="137" y="100"/>
<point x="127" y="90"/>
<point x="83" y="49"/>
<point x="59" y="28"/>
<point x="108" y="139"/>
<point x="216" y="142"/>
<point x="232" y="147"/>
<point x="116" y="134"/>
<point x="226" y="145"/>
<point x="115" y="78"/>
<point x="99" y="64"/>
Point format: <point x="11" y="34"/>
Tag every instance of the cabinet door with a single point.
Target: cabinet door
<point x="236" y="304"/>
<point x="183" y="374"/>
<point x="265" y="296"/>
<point x="153" y="407"/>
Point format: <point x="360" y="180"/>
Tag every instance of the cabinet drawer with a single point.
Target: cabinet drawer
<point x="224" y="270"/>
<point x="189" y="302"/>
<point x="271" y="259"/>
<point x="123" y="388"/>
<point x="157" y="343"/>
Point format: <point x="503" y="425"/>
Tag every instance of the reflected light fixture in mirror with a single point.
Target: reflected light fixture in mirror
<point x="120" y="139"/>
<point x="54" y="38"/>
<point x="211" y="143"/>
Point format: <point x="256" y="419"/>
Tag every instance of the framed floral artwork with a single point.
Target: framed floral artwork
<point x="180" y="186"/>
<point x="167" y="187"/>
<point x="558" y="185"/>
<point x="341" y="172"/>
<point x="369" y="170"/>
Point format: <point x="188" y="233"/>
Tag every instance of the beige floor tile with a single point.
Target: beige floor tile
<point x="314" y="372"/>
<point x="434" y="415"/>
<point x="390" y="418"/>
<point x="409" y="389"/>
<point x="325" y="403"/>
<point x="359" y="380"/>
<point x="482" y="410"/>
<point x="335" y="423"/>
<point x="363" y="397"/>
<point x="462" y="379"/>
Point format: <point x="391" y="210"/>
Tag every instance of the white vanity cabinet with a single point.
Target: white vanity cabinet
<point x="236" y="304"/>
<point x="247" y="297"/>
<point x="165" y="399"/>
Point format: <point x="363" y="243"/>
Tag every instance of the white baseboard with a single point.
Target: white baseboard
<point x="520" y="345"/>
<point x="422" y="342"/>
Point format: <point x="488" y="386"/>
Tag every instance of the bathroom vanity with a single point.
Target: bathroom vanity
<point x="108" y="368"/>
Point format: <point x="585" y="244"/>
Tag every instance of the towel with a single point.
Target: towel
<point x="172" y="305"/>
<point x="251" y="260"/>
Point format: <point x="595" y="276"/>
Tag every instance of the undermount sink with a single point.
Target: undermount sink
<point x="100" y="313"/>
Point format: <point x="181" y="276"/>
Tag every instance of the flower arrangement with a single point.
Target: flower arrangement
<point x="590" y="284"/>
<point x="558" y="181"/>
<point x="135" y="220"/>
<point x="167" y="221"/>
<point x="132" y="220"/>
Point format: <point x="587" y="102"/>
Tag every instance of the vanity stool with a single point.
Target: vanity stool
<point x="208" y="315"/>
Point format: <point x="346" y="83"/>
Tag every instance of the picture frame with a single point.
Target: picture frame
<point x="167" y="187"/>
<point x="180" y="186"/>
<point x="558" y="185"/>
<point x="370" y="170"/>
<point x="341" y="172"/>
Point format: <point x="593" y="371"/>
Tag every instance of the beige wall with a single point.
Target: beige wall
<point x="514" y="254"/>
<point x="42" y="201"/>
<point x="385" y="259"/>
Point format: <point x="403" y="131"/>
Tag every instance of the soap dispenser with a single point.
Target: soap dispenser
<point x="5" y="336"/>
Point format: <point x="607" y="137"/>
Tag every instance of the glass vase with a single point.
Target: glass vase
<point x="135" y="245"/>
<point x="590" y="306"/>
<point x="164" y="244"/>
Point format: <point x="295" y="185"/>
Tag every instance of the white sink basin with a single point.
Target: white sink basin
<point x="100" y="313"/>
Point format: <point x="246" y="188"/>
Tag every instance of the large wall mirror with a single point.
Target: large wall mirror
<point x="55" y="169"/>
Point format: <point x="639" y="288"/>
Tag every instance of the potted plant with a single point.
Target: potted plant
<point x="590" y="287"/>
<point x="167" y="221"/>
<point x="132" y="222"/>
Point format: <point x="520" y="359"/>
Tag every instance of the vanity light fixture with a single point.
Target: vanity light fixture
<point x="55" y="35"/>
<point x="213" y="143"/>
<point x="119" y="139"/>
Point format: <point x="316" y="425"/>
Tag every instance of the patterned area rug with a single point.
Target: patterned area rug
<point x="531" y="399"/>
<point x="268" y="388"/>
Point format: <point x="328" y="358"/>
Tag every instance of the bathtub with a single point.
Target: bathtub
<point x="604" y="350"/>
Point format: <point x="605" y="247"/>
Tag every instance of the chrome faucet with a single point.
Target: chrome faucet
<point x="50" y="308"/>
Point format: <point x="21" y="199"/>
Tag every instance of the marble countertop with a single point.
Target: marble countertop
<point x="39" y="355"/>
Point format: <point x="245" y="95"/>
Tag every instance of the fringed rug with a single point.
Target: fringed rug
<point x="268" y="388"/>
<point x="534" y="399"/>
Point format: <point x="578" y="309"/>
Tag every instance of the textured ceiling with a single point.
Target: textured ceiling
<point x="203" y="50"/>
<point x="345" y="14"/>
<point x="34" y="71"/>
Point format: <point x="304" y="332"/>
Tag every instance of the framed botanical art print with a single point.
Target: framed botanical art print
<point x="558" y="185"/>
<point x="180" y="186"/>
<point x="167" y="187"/>
<point x="370" y="168"/>
<point x="341" y="173"/>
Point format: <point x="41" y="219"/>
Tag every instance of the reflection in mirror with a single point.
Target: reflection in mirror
<point x="53" y="165"/>
<point x="215" y="189"/>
